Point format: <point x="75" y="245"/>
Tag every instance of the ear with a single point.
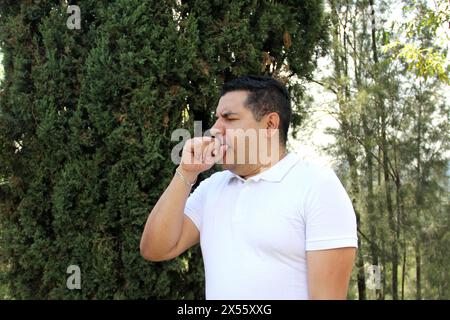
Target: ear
<point x="272" y="123"/>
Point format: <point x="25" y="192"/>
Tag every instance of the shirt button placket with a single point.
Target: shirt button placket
<point x="241" y="201"/>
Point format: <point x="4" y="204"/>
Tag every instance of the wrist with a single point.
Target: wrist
<point x="189" y="176"/>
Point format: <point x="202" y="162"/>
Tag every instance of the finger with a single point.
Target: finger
<point x="211" y="151"/>
<point x="187" y="153"/>
<point x="216" y="148"/>
<point x="203" y="142"/>
<point x="206" y="140"/>
<point x="194" y="148"/>
<point x="198" y="151"/>
<point x="221" y="153"/>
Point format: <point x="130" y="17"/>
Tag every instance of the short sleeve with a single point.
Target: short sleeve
<point x="329" y="216"/>
<point x="194" y="208"/>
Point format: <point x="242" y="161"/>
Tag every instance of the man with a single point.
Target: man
<point x="278" y="229"/>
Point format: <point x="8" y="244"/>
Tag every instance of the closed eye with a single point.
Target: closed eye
<point x="227" y="115"/>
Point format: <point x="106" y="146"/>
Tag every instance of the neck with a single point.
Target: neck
<point x="262" y="167"/>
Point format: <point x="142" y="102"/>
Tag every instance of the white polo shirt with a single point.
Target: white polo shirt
<point x="254" y="233"/>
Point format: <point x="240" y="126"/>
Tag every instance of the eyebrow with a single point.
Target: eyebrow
<point x="226" y="114"/>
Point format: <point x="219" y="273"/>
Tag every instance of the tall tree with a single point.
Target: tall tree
<point x="392" y="121"/>
<point x="86" y="118"/>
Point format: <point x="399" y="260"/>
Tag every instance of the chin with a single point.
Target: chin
<point x="228" y="166"/>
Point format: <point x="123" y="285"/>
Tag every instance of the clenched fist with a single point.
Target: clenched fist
<point x="200" y="154"/>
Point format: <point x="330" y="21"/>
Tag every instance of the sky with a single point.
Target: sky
<point x="311" y="141"/>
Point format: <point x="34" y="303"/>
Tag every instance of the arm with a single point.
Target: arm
<point x="168" y="232"/>
<point x="329" y="273"/>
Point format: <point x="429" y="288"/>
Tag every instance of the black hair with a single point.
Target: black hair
<point x="266" y="95"/>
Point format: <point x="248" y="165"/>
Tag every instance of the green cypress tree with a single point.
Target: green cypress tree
<point x="86" y="118"/>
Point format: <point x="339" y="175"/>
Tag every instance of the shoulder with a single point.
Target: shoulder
<point x="311" y="173"/>
<point x="216" y="179"/>
<point x="219" y="176"/>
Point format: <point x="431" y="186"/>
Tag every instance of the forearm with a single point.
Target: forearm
<point x="329" y="272"/>
<point x="167" y="232"/>
<point x="165" y="222"/>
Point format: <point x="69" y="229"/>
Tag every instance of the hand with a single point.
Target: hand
<point x="200" y="154"/>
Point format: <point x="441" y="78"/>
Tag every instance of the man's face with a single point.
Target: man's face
<point x="236" y="126"/>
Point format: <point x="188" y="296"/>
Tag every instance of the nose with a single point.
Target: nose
<point x="217" y="129"/>
<point x="214" y="132"/>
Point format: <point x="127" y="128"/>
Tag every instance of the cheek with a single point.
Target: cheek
<point x="236" y="131"/>
<point x="239" y="141"/>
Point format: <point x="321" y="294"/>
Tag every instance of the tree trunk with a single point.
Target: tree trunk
<point x="343" y="96"/>
<point x="371" y="214"/>
<point x="368" y="148"/>
<point x="403" y="273"/>
<point x="419" y="199"/>
<point x="392" y="223"/>
<point x="383" y="263"/>
<point x="399" y="207"/>
<point x="381" y="108"/>
<point x="418" y="274"/>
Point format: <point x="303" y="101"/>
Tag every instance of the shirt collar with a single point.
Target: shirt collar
<point x="276" y="173"/>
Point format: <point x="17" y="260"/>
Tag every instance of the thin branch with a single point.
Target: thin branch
<point x="322" y="84"/>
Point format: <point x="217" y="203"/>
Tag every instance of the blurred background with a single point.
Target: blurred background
<point x="91" y="91"/>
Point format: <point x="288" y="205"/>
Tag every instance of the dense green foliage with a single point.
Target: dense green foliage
<point x="86" y="118"/>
